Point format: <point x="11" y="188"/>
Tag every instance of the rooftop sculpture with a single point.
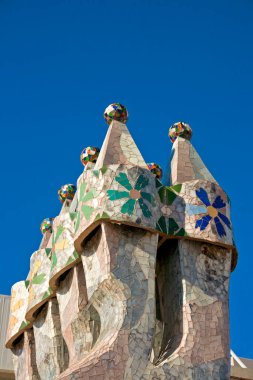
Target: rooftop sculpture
<point x="131" y="278"/>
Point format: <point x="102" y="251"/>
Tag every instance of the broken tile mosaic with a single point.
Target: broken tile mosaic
<point x="180" y="129"/>
<point x="46" y="225"/>
<point x="66" y="192"/>
<point x="116" y="111"/>
<point x="155" y="169"/>
<point x="89" y="154"/>
<point x="132" y="281"/>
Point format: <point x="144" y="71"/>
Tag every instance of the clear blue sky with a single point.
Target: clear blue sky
<point x="63" y="62"/>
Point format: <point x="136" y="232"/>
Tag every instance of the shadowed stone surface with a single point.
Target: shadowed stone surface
<point x="52" y="354"/>
<point x="24" y="357"/>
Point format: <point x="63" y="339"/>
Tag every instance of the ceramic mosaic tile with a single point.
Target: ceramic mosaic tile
<point x="19" y="301"/>
<point x="38" y="281"/>
<point x="89" y="154"/>
<point x="132" y="197"/>
<point x="63" y="253"/>
<point x="116" y="111"/>
<point x="180" y="129"/>
<point x="47" y="225"/>
<point x="66" y="192"/>
<point x="131" y="279"/>
<point x="155" y="169"/>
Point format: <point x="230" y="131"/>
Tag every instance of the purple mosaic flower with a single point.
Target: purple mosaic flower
<point x="212" y="213"/>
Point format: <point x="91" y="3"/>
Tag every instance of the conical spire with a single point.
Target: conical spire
<point x="119" y="148"/>
<point x="185" y="163"/>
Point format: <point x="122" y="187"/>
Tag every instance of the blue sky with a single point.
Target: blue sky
<point x="63" y="62"/>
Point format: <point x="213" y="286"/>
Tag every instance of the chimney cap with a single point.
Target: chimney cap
<point x="180" y="129"/>
<point x="116" y="111"/>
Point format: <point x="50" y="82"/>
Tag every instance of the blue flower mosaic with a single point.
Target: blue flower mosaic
<point x="212" y="213"/>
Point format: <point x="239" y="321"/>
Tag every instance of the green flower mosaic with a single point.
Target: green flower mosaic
<point x="168" y="194"/>
<point x="169" y="227"/>
<point x="133" y="193"/>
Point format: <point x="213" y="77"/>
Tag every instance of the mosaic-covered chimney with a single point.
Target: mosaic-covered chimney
<point x="131" y="279"/>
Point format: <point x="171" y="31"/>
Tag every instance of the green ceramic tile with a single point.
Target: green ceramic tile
<point x="72" y="215"/>
<point x="90" y="195"/>
<point x="124" y="181"/>
<point x="53" y="261"/>
<point x="161" y="225"/>
<point x="181" y="232"/>
<point x="23" y="325"/>
<point x="148" y="197"/>
<point x="77" y="221"/>
<point x="158" y="183"/>
<point x="39" y="279"/>
<point x="128" y="207"/>
<point x="70" y="260"/>
<point x="177" y="188"/>
<point x="103" y="169"/>
<point x="87" y="211"/>
<point x="145" y="210"/>
<point x="58" y="233"/>
<point x="96" y="173"/>
<point x="82" y="189"/>
<point x="48" y="252"/>
<point x="141" y="182"/>
<point x="173" y="226"/>
<point x="115" y="194"/>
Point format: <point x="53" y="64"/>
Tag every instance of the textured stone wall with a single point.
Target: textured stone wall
<point x="134" y="310"/>
<point x="176" y="329"/>
<point x="24" y="357"/>
<point x="75" y="320"/>
<point x="203" y="352"/>
<point x="169" y="301"/>
<point x="51" y="350"/>
<point x="118" y="263"/>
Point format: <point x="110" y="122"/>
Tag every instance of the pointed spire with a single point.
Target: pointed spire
<point x="119" y="147"/>
<point x="46" y="229"/>
<point x="185" y="163"/>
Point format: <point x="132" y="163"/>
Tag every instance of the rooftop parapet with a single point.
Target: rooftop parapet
<point x="122" y="189"/>
<point x="118" y="186"/>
